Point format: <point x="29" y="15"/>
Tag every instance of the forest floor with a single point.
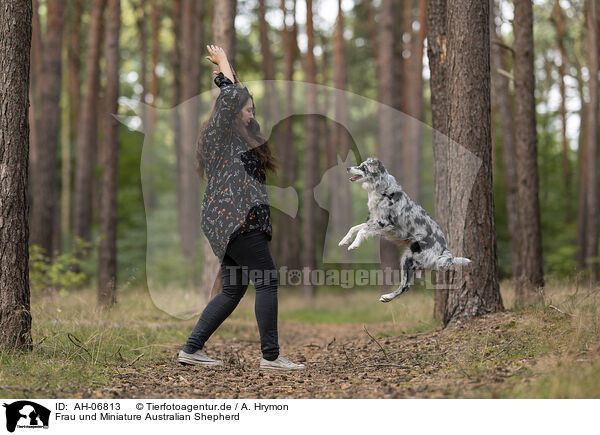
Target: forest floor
<point x="365" y="350"/>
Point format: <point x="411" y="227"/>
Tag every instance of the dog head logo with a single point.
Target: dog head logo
<point x="26" y="414"/>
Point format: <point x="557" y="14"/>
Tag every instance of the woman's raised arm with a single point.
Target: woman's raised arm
<point x="219" y="58"/>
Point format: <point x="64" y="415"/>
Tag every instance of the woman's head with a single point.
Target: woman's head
<point x="247" y="127"/>
<point x="247" y="110"/>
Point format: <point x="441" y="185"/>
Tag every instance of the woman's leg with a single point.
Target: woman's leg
<point x="221" y="306"/>
<point x="251" y="250"/>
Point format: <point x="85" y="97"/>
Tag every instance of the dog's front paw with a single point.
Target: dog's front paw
<point x="353" y="246"/>
<point x="344" y="241"/>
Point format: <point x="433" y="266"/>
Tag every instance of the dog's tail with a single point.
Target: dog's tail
<point x="460" y="260"/>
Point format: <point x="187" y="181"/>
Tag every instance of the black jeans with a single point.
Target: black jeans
<point x="248" y="257"/>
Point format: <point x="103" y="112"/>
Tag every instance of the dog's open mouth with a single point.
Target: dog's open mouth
<point x="355" y="177"/>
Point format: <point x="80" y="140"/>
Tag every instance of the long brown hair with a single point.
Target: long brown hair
<point x="251" y="134"/>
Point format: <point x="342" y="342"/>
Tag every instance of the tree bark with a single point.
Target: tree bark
<point x="311" y="159"/>
<point x="562" y="72"/>
<point x="15" y="46"/>
<point x="583" y="158"/>
<point x="87" y="132"/>
<point x="502" y="101"/>
<point x="74" y="89"/>
<point x="270" y="103"/>
<point x="476" y="290"/>
<point x="107" y="250"/>
<point x="389" y="97"/>
<point x="529" y="286"/>
<point x="45" y="185"/>
<point x="591" y="165"/>
<point x="340" y="204"/>
<point x="437" y="54"/>
<point x="290" y="243"/>
<point x="412" y="146"/>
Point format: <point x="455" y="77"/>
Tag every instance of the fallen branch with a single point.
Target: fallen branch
<point x="135" y="360"/>
<point x="77" y="342"/>
<point x="378" y="344"/>
<point x="561" y="311"/>
<point x="346" y="353"/>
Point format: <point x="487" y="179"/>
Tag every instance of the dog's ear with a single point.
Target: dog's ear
<point x="380" y="167"/>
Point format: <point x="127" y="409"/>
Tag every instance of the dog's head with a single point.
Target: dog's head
<point x="368" y="172"/>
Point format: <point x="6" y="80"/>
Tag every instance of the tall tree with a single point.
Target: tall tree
<point x="476" y="290"/>
<point x="15" y="46"/>
<point x="311" y="158"/>
<point x="437" y="55"/>
<point x="531" y="280"/>
<point x="412" y="147"/>
<point x="44" y="180"/>
<point x="501" y="100"/>
<point x="591" y="133"/>
<point x="107" y="250"/>
<point x="86" y="143"/>
<point x="223" y="34"/>
<point x="190" y="83"/>
<point x="289" y="242"/>
<point x="582" y="157"/>
<point x="339" y="192"/>
<point x="223" y="26"/>
<point x="388" y="97"/>
<point x="271" y="106"/>
<point x="176" y="60"/>
<point x="559" y="24"/>
<point x="70" y="126"/>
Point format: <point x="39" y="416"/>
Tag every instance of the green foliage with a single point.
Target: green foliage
<point x="57" y="274"/>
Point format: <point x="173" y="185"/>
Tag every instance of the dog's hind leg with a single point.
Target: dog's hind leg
<point x="407" y="268"/>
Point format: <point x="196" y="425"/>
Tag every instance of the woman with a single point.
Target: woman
<point x="235" y="218"/>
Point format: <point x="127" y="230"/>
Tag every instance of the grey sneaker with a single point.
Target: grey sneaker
<point x="197" y="358"/>
<point x="280" y="363"/>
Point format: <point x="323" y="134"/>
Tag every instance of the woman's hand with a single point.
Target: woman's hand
<point x="217" y="55"/>
<point x="219" y="58"/>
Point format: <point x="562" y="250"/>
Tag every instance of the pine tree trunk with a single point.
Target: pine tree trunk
<point x="107" y="250"/>
<point x="87" y="129"/>
<point x="341" y="206"/>
<point x="502" y="103"/>
<point x="591" y="249"/>
<point x="583" y="158"/>
<point x="290" y="243"/>
<point x="15" y="46"/>
<point x="412" y="146"/>
<point x="562" y="71"/>
<point x="388" y="97"/>
<point x="74" y="89"/>
<point x="437" y="54"/>
<point x="45" y="185"/>
<point x="531" y="280"/>
<point x="476" y="290"/>
<point x="35" y="103"/>
<point x="311" y="158"/>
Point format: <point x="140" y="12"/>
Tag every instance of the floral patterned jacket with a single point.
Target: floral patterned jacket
<point x="235" y="200"/>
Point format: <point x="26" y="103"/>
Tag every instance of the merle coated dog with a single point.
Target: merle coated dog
<point x="393" y="215"/>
